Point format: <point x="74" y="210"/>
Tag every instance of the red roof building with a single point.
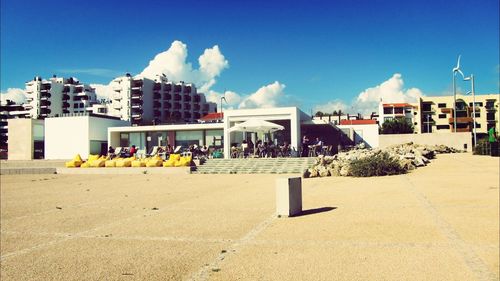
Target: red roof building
<point x="213" y="116"/>
<point x="358" y="122"/>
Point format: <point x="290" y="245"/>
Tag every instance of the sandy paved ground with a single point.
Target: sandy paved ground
<point x="440" y="222"/>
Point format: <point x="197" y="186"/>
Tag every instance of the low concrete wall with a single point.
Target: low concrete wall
<point x="455" y="140"/>
<point x="125" y="170"/>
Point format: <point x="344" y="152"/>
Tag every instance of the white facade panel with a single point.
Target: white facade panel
<point x="368" y="134"/>
<point x="66" y="136"/>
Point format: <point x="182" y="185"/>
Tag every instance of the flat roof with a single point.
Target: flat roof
<point x="173" y="127"/>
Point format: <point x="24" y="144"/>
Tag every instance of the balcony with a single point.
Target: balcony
<point x="29" y="99"/>
<point x="187" y="114"/>
<point x="156" y="104"/>
<point x="117" y="105"/>
<point x="187" y="89"/>
<point x="157" y="113"/>
<point x="136" y="116"/>
<point x="177" y="105"/>
<point x="65" y="105"/>
<point x="45" y="103"/>
<point x="167" y="96"/>
<point x="461" y="120"/>
<point x="45" y="95"/>
<point x="166" y="113"/>
<point x="137" y="110"/>
<point x="167" y="87"/>
<point x="177" y="88"/>
<point x="156" y="96"/>
<point x="65" y="111"/>
<point x="136" y="95"/>
<point x="167" y="105"/>
<point x="196" y="107"/>
<point x="117" y="96"/>
<point x="44" y="111"/>
<point x="187" y="98"/>
<point x="196" y="115"/>
<point x="117" y="88"/>
<point x="157" y="87"/>
<point x="187" y="106"/>
<point x="197" y="98"/>
<point x="45" y="87"/>
<point x="177" y="97"/>
<point x="137" y="84"/>
<point x="79" y="98"/>
<point x="65" y="89"/>
<point x="65" y="97"/>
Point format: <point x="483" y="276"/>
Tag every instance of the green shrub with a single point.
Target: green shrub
<point x="380" y="164"/>
<point x="396" y="126"/>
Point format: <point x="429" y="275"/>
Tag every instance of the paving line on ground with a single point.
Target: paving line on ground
<point x="203" y="273"/>
<point x="471" y="259"/>
<point x="75" y="235"/>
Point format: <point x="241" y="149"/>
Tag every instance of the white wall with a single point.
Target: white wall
<point x="456" y="140"/>
<point x="66" y="136"/>
<point x="368" y="133"/>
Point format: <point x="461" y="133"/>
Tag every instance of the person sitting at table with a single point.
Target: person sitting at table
<point x="111" y="152"/>
<point x="263" y="149"/>
<point x="318" y="146"/>
<point x="244" y="147"/>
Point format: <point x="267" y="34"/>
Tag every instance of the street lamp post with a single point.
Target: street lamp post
<point x="471" y="78"/>
<point x="454" y="74"/>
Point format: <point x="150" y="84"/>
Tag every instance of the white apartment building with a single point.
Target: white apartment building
<point x="58" y="96"/>
<point x="406" y="111"/>
<point x="438" y="117"/>
<point x="143" y="101"/>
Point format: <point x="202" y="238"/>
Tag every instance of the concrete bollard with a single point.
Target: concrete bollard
<point x="288" y="196"/>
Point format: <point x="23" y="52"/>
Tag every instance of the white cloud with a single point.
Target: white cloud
<point x="14" y="94"/>
<point x="331" y="106"/>
<point x="389" y="91"/>
<point x="102" y="91"/>
<point x="103" y="72"/>
<point x="271" y="95"/>
<point x="173" y="63"/>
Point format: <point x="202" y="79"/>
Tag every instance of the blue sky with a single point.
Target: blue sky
<point x="323" y="51"/>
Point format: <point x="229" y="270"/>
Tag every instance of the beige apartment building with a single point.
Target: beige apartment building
<point x="436" y="113"/>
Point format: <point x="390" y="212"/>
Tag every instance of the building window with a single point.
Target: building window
<point x="478" y="126"/>
<point x="441" y="105"/>
<point x="478" y="114"/>
<point x="407" y="110"/>
<point x="490" y="116"/>
<point x="442" y="116"/>
<point x="426" y="107"/>
<point x="81" y="105"/>
<point x="388" y="110"/>
<point x="478" y="103"/>
<point x="398" y="110"/>
<point x="443" y="127"/>
<point x="101" y="110"/>
<point x="75" y="105"/>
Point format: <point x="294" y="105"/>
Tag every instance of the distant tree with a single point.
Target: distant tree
<point x="340" y="114"/>
<point x="396" y="126"/>
<point x="334" y="112"/>
<point x="319" y="114"/>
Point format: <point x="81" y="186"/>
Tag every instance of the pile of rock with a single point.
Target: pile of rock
<point x="410" y="157"/>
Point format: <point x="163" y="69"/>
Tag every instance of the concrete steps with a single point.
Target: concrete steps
<point x="255" y="166"/>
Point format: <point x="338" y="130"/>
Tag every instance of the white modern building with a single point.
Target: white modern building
<point x="82" y="134"/>
<point x="57" y="96"/>
<point x="143" y="101"/>
<point x="217" y="135"/>
<point x="361" y="131"/>
<point x="8" y="110"/>
<point x="405" y="111"/>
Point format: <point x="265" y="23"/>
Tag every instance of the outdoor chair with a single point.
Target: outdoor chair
<point x="153" y="152"/>
<point x="177" y="149"/>
<point x="141" y="153"/>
